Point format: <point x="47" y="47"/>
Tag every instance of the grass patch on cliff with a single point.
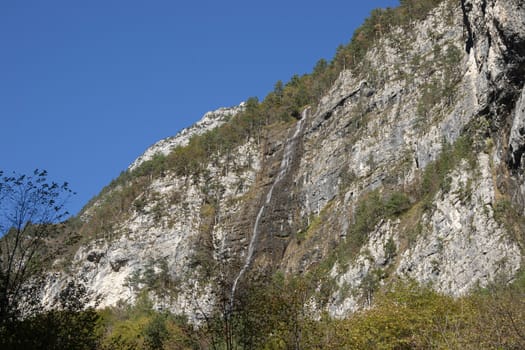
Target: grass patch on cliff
<point x="315" y="223"/>
<point x="508" y="216"/>
<point x="435" y="176"/>
<point x="371" y="208"/>
<point x="380" y="23"/>
<point x="438" y="91"/>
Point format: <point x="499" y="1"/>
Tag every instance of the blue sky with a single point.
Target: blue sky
<point x="87" y="86"/>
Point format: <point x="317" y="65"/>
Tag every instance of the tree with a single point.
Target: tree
<point x="55" y="330"/>
<point x="278" y="89"/>
<point x="155" y="332"/>
<point x="30" y="208"/>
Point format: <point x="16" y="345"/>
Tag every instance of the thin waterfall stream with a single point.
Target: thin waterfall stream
<point x="288" y="154"/>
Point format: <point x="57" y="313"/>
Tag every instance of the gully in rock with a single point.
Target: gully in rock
<point x="288" y="155"/>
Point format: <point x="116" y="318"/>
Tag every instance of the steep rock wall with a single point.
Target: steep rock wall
<point x="421" y="88"/>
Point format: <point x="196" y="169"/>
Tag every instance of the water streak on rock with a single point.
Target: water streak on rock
<point x="288" y="155"/>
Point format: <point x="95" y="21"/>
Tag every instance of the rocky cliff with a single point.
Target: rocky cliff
<point x="409" y="166"/>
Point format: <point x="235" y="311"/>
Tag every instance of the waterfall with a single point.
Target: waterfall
<point x="288" y="154"/>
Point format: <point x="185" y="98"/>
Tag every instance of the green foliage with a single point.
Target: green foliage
<point x="390" y="249"/>
<point x="396" y="204"/>
<point x="156" y="332"/>
<point x="435" y="176"/>
<point x="497" y="320"/>
<point x="369" y="211"/>
<point x="155" y="277"/>
<point x="274" y="314"/>
<point x="31" y="208"/>
<point x="406" y="317"/>
<point x="507" y="215"/>
<point x="314" y="223"/>
<point x="271" y="313"/>
<point x="156" y="165"/>
<point x="438" y="90"/>
<point x="54" y="330"/>
<point x="371" y="208"/>
<point x="379" y="22"/>
<point x="141" y="327"/>
<point x="370" y="284"/>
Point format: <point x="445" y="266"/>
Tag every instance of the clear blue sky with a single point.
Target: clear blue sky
<point x="87" y="86"/>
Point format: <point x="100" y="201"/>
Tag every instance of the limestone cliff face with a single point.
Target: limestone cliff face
<point x="209" y="121"/>
<point x="290" y="199"/>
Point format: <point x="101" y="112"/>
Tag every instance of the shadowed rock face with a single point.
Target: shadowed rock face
<point x="460" y="71"/>
<point x="497" y="32"/>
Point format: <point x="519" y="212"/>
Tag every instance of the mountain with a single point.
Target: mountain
<point x="400" y="159"/>
<point x="209" y="121"/>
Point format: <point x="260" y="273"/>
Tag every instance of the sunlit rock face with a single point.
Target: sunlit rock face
<point x="299" y="187"/>
<point x="209" y="121"/>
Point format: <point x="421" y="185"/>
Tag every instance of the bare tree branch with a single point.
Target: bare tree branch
<point x="30" y="208"/>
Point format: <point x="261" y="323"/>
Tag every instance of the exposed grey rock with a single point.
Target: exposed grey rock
<point x="463" y="246"/>
<point x="460" y="70"/>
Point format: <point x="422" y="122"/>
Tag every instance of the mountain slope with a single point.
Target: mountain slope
<point x="401" y="158"/>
